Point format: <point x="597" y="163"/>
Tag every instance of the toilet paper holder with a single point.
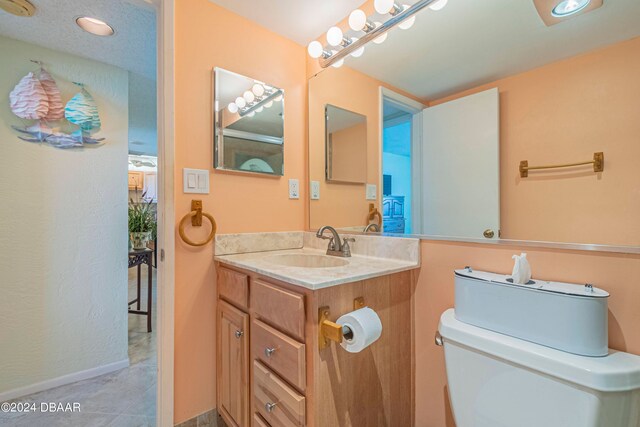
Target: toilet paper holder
<point x="330" y="331"/>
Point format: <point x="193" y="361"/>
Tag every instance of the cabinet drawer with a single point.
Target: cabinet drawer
<point x="278" y="307"/>
<point x="268" y="389"/>
<point x="282" y="354"/>
<point x="259" y="422"/>
<point x="234" y="287"/>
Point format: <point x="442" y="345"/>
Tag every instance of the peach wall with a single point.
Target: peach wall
<point x="619" y="274"/>
<point x="563" y="113"/>
<point x="208" y="36"/>
<point x="344" y="205"/>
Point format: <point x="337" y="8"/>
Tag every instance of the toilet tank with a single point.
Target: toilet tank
<point x="564" y="316"/>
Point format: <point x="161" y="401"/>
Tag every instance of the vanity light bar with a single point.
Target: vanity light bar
<point x="260" y="102"/>
<point x="326" y="59"/>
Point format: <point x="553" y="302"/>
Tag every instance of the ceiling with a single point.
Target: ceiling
<point x="297" y="20"/>
<point x="132" y="47"/>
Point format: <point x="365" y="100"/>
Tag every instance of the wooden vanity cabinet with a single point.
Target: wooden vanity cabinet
<point x="275" y="375"/>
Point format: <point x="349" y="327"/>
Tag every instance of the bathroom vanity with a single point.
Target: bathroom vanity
<point x="274" y="366"/>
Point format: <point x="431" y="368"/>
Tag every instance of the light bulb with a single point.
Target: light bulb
<point x="251" y="114"/>
<point x="249" y="96"/>
<point x="334" y="36"/>
<point x="438" y="5"/>
<point x="407" y="23"/>
<point x="380" y="39"/>
<point x="339" y="63"/>
<point x="268" y="104"/>
<point x="259" y="109"/>
<point x="233" y="108"/>
<point x="383" y="6"/>
<point x="315" y="49"/>
<point x="257" y="89"/>
<point x="278" y="98"/>
<point x="240" y="102"/>
<point x="357" y="20"/>
<point x="359" y="51"/>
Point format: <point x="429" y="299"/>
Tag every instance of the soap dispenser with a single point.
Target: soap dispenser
<point x="521" y="269"/>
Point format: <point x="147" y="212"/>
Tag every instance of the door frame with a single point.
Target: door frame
<point x="414" y="108"/>
<point x="166" y="214"/>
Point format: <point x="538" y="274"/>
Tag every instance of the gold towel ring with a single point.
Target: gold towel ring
<point x="373" y="212"/>
<point x="193" y="215"/>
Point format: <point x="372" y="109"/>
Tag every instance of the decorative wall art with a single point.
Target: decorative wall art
<point x="37" y="97"/>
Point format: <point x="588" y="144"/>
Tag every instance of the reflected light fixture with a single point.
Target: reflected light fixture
<point x="233" y="108"/>
<point x="405" y="25"/>
<point x="382" y="38"/>
<point x="439" y="5"/>
<point x="248" y="96"/>
<point x="569" y="7"/>
<point x="258" y="90"/>
<point x="94" y="26"/>
<point x="240" y="102"/>
<point x="358" y="52"/>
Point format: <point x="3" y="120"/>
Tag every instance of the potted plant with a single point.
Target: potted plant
<point x="142" y="223"/>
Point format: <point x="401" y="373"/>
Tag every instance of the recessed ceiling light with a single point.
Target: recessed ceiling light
<point x="569" y="7"/>
<point x="94" y="26"/>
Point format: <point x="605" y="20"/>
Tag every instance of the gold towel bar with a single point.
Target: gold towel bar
<point x="597" y="162"/>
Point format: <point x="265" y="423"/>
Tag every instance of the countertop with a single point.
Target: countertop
<point x="359" y="267"/>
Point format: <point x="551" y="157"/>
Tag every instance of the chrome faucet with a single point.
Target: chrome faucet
<point x="373" y="226"/>
<point x="336" y="247"/>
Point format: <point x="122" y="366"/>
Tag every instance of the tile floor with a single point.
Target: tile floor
<point x="126" y="398"/>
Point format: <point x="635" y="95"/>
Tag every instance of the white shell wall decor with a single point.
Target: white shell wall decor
<point x="39" y="98"/>
<point x="28" y="100"/>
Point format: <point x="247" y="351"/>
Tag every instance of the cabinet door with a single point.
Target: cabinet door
<point x="233" y="365"/>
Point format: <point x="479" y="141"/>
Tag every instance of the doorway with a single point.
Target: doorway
<point x="401" y="130"/>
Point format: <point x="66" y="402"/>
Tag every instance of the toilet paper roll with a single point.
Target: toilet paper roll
<point x="365" y="326"/>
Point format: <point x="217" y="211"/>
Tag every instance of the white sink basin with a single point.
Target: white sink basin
<point x="307" y="260"/>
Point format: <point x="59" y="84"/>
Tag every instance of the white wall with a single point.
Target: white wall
<point x="63" y="231"/>
<point x="143" y="132"/>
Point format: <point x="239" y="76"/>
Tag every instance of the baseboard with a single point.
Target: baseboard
<point x="63" y="380"/>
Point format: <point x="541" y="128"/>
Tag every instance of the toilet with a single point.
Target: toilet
<point x="503" y="378"/>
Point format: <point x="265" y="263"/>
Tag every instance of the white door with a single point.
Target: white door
<point x="461" y="167"/>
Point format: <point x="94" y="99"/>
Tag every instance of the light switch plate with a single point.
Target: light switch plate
<point x="372" y="191"/>
<point x="315" y="190"/>
<point x="294" y="189"/>
<point x="195" y="181"/>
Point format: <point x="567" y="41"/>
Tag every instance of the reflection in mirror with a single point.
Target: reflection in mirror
<point x="450" y="124"/>
<point x="346" y="145"/>
<point x="248" y="124"/>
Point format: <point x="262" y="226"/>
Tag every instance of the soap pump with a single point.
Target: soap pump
<point x="521" y="269"/>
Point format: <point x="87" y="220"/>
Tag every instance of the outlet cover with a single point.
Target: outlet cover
<point x="372" y="191"/>
<point x="315" y="190"/>
<point x="294" y="189"/>
<point x="195" y="181"/>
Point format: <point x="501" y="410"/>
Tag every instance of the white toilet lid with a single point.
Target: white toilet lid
<point x="617" y="371"/>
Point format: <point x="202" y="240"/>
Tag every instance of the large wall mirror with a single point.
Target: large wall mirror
<point x="248" y="124"/>
<point x="459" y="119"/>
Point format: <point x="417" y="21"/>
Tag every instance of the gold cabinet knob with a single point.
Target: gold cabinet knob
<point x="488" y="233"/>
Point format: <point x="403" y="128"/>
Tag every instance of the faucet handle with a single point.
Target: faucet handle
<point x="346" y="249"/>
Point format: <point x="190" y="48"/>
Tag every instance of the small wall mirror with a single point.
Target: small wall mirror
<point x="248" y="124"/>
<point x="345" y="145"/>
